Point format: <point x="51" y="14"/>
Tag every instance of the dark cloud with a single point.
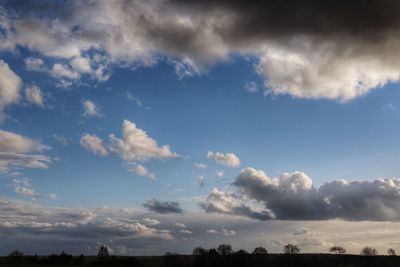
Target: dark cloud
<point x="291" y="196"/>
<point x="163" y="207"/>
<point x="229" y="203"/>
<point x="309" y="49"/>
<point x="274" y="19"/>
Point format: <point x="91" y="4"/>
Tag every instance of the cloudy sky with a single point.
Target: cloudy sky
<point x="161" y="125"/>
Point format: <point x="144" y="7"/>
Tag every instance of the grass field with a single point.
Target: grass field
<point x="300" y="260"/>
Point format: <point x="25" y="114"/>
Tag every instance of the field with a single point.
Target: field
<point x="300" y="260"/>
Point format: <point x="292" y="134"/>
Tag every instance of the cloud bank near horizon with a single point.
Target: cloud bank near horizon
<point x="292" y="196"/>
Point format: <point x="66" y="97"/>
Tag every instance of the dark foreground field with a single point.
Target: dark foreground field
<point x="301" y="260"/>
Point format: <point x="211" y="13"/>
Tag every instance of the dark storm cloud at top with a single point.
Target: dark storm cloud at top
<point x="327" y="18"/>
<point x="308" y="49"/>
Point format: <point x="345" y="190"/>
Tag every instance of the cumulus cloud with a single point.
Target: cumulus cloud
<point x="17" y="151"/>
<point x="90" y="109"/>
<point x="291" y="196"/>
<point x="93" y="144"/>
<point x="331" y="50"/>
<point x="34" y="95"/>
<point x="230" y="203"/>
<point x="10" y="86"/>
<point x="34" y="64"/>
<point x="81" y="64"/>
<point x="136" y="145"/>
<point x="141" y="170"/>
<point x="63" y="71"/>
<point x="228" y="159"/>
<point x="163" y="207"/>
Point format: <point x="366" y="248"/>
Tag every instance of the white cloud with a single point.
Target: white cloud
<point x="63" y="71"/>
<point x="149" y="221"/>
<point x="93" y="144"/>
<point x="224" y="232"/>
<point x="81" y="64"/>
<point x="136" y="145"/>
<point x="15" y="143"/>
<point x="34" y="64"/>
<point x="186" y="232"/>
<point x="251" y="87"/>
<point x="200" y="165"/>
<point x="90" y="109"/>
<point x="228" y="159"/>
<point x="10" y="85"/>
<point x="141" y="170"/>
<point x="227" y="232"/>
<point x="180" y="225"/>
<point x="16" y="152"/>
<point x="313" y="70"/>
<point x="34" y="95"/>
<point x="23" y="187"/>
<point x="220" y="173"/>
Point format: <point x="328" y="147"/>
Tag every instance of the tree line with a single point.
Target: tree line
<point x="222" y="250"/>
<point x="226" y="249"/>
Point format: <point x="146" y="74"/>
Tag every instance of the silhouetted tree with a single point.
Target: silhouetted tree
<point x="103" y="251"/>
<point x="212" y="252"/>
<point x="391" y="252"/>
<point x="16" y="253"/>
<point x="337" y="250"/>
<point x="260" y="250"/>
<point x="169" y="253"/>
<point x="225" y="249"/>
<point x="199" y="251"/>
<point x="291" y="249"/>
<point x="241" y="252"/>
<point x="368" y="251"/>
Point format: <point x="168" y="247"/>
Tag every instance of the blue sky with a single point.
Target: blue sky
<point x="212" y="111"/>
<point x="175" y="134"/>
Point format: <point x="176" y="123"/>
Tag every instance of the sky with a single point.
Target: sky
<point x="155" y="126"/>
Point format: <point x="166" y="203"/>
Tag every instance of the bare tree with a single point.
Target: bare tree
<point x="16" y="253"/>
<point x="225" y="249"/>
<point x="199" y="251"/>
<point x="260" y="250"/>
<point x="391" y="252"/>
<point x="212" y="252"/>
<point x="241" y="252"/>
<point x="337" y="250"/>
<point x="103" y="251"/>
<point x="368" y="251"/>
<point x="291" y="249"/>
